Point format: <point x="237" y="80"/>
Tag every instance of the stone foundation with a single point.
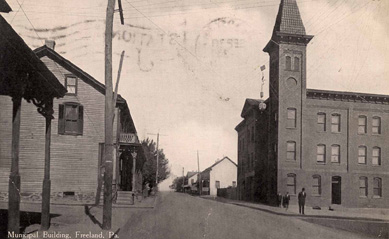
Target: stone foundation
<point x="55" y="197"/>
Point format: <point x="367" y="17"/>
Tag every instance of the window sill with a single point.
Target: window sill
<point x="336" y="132"/>
<point x="362" y="164"/>
<point x="71" y="94"/>
<point x="377" y="197"/>
<point x="320" y="163"/>
<point x="376" y="134"/>
<point x="293" y="128"/>
<point x="72" y="134"/>
<point x="376" y="165"/>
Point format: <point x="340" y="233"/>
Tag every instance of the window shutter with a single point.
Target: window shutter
<point x="80" y="119"/>
<point x="61" y="119"/>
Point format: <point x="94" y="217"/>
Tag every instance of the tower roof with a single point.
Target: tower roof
<point x="288" y="19"/>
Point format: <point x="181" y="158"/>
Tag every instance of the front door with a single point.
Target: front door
<point x="336" y="190"/>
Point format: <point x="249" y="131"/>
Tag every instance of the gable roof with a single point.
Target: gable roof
<point x="250" y="104"/>
<point x="18" y="60"/>
<point x="4" y="7"/>
<point x="191" y="174"/>
<point x="68" y="65"/>
<point x="219" y="161"/>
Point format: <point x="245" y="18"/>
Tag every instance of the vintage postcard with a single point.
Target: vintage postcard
<point x="194" y="119"/>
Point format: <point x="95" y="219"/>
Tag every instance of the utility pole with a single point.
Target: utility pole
<point x="108" y="113"/>
<point x="183" y="179"/>
<point x="198" y="175"/>
<point x="156" y="173"/>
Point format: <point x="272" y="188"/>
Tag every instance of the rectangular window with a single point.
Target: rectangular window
<point x="321" y="153"/>
<point x="71" y="85"/>
<point x="376" y="125"/>
<point x="291" y="118"/>
<point x="291" y="184"/>
<point x="291" y="150"/>
<point x="376" y="159"/>
<point x="316" y="185"/>
<point x="70" y="120"/>
<point x="362" y="122"/>
<point x="321" y="122"/>
<point x="335" y="123"/>
<point x="362" y="154"/>
<point x="377" y="190"/>
<point x="363" y="187"/>
<point x="217" y="184"/>
<point x="335" y="154"/>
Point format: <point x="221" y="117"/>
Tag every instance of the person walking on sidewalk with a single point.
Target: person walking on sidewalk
<point x="286" y="201"/>
<point x="279" y="199"/>
<point x="301" y="198"/>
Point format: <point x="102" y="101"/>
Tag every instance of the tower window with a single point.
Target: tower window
<point x="321" y="153"/>
<point x="291" y="150"/>
<point x="297" y="64"/>
<point x="288" y="62"/>
<point x="291" y="118"/>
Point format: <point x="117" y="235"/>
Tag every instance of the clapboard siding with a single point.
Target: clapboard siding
<point x="74" y="159"/>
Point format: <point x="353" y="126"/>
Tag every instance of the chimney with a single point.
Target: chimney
<point x="50" y="44"/>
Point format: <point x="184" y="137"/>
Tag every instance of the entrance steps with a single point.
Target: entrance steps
<point x="125" y="198"/>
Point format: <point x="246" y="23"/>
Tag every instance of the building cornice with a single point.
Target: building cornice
<point x="347" y="96"/>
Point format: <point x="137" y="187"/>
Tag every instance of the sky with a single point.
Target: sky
<point x="190" y="64"/>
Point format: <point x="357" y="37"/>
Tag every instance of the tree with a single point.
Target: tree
<point x="178" y="183"/>
<point x="150" y="166"/>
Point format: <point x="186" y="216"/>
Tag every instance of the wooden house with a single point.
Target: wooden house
<point x="77" y="139"/>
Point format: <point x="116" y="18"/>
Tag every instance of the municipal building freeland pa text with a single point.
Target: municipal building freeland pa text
<point x="332" y="143"/>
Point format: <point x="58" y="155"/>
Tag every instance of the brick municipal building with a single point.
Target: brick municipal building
<point x="331" y="143"/>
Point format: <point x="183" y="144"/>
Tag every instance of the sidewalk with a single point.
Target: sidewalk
<point x="66" y="220"/>
<point x="369" y="214"/>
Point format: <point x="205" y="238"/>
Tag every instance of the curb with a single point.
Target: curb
<point x="302" y="216"/>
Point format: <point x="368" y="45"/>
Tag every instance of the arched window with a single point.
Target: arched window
<point x="321" y="153"/>
<point x="362" y="154"/>
<point x="335" y="153"/>
<point x="376" y="125"/>
<point x="288" y="62"/>
<point x="362" y="123"/>
<point x="377" y="187"/>
<point x="291" y="150"/>
<point x="291" y="183"/>
<point x="316" y="185"/>
<point x="363" y="187"/>
<point x="376" y="156"/>
<point x="291" y="118"/>
<point x="321" y="122"/>
<point x="297" y="64"/>
<point x="335" y="123"/>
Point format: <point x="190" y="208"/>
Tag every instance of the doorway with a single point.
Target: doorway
<point x="336" y="190"/>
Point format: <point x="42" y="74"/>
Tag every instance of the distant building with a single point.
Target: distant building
<point x="329" y="142"/>
<point x="191" y="182"/>
<point x="77" y="139"/>
<point x="221" y="174"/>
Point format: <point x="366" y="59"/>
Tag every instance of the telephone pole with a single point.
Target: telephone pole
<point x="108" y="113"/>
<point x="198" y="175"/>
<point x="156" y="172"/>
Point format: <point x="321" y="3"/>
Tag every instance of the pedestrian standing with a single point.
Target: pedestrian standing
<point x="279" y="199"/>
<point x="286" y="201"/>
<point x="301" y="198"/>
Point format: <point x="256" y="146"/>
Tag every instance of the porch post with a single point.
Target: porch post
<point x="14" y="178"/>
<point x="133" y="171"/>
<point x="46" y="189"/>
